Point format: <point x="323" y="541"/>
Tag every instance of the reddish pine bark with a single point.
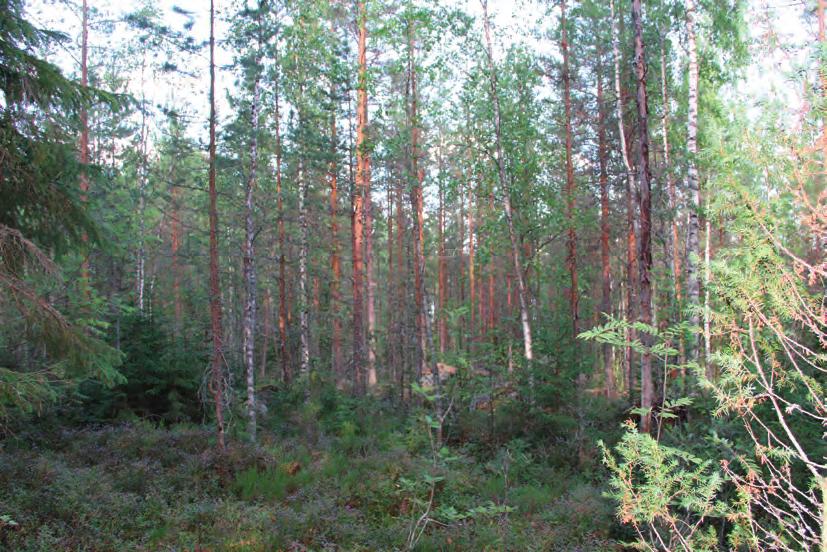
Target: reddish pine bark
<point x="571" y="244"/>
<point x="357" y="220"/>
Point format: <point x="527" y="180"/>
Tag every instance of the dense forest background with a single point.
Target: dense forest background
<point x="410" y="274"/>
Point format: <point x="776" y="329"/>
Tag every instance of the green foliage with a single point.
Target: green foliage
<point x="664" y="490"/>
<point x="162" y="378"/>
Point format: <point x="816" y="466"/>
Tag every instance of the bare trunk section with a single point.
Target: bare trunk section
<point x="140" y="265"/>
<point x="693" y="253"/>
<point x="673" y="205"/>
<point x="442" y="276"/>
<point x="286" y="372"/>
<point x="370" y="281"/>
<point x="645" y="249"/>
<point x="506" y="191"/>
<point x="417" y="206"/>
<point x="631" y="241"/>
<point x="606" y="272"/>
<point x="337" y="359"/>
<point x="357" y="229"/>
<point x="571" y="243"/>
<point x="249" y="260"/>
<point x="304" y="300"/>
<point x="216" y="385"/>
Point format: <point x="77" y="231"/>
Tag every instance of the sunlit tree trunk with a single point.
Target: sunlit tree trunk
<point x="693" y="252"/>
<point x="357" y="225"/>
<point x="645" y="206"/>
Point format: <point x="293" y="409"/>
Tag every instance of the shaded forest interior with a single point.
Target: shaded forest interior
<point x="413" y="275"/>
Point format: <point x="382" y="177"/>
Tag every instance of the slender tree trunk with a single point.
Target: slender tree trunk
<point x="673" y="205"/>
<point x="710" y="369"/>
<point x="631" y="241"/>
<point x="358" y="204"/>
<point x="249" y="261"/>
<point x="442" y="277"/>
<point x="304" y="299"/>
<point x="490" y="319"/>
<point x="337" y="358"/>
<point x="140" y="268"/>
<point x="370" y="281"/>
<point x="693" y="284"/>
<point x="645" y="256"/>
<point x="571" y="244"/>
<point x="286" y="372"/>
<point x="390" y="340"/>
<point x="216" y="374"/>
<point x="822" y="38"/>
<point x="267" y="331"/>
<point x="472" y="283"/>
<point x="417" y="205"/>
<point x="400" y="291"/>
<point x="606" y="272"/>
<point x="506" y="191"/>
<point x="462" y="336"/>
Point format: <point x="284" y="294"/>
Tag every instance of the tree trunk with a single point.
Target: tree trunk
<point x="645" y="248"/>
<point x="370" y="281"/>
<point x="249" y="261"/>
<point x="472" y="283"/>
<point x="357" y="230"/>
<point x="286" y="372"/>
<point x="216" y="373"/>
<point x="673" y="206"/>
<point x="337" y="359"/>
<point x="631" y="241"/>
<point x="417" y="206"/>
<point x="571" y="244"/>
<point x="140" y="266"/>
<point x="442" y="276"/>
<point x="606" y="272"/>
<point x="506" y="191"/>
<point x="693" y="252"/>
<point x="304" y="300"/>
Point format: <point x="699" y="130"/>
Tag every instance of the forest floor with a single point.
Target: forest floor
<point x="319" y="486"/>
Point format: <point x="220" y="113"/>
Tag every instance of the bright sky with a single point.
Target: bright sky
<point x="512" y="19"/>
